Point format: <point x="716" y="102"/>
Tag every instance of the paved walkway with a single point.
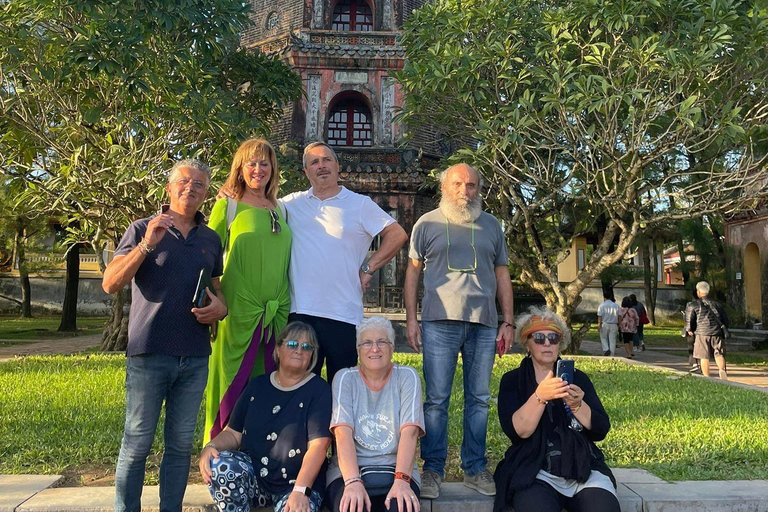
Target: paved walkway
<point x="638" y="491"/>
<point x="49" y="346"/>
<point x="737" y="375"/>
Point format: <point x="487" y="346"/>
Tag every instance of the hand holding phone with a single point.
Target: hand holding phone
<point x="565" y="369"/>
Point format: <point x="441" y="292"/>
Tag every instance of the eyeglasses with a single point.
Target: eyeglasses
<point x="293" y="345"/>
<point x="540" y="338"/>
<point x="274" y="220"/>
<point x="448" y="250"/>
<point x="196" y="184"/>
<point x="368" y="345"/>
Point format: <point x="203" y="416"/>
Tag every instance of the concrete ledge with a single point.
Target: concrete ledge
<point x="17" y="489"/>
<point x="705" y="496"/>
<point x="638" y="491"/>
<point x="102" y="499"/>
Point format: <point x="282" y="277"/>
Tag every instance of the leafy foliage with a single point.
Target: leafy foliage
<point x="593" y="116"/>
<point x="98" y="98"/>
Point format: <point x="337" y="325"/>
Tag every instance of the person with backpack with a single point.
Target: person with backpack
<point x="628" y="322"/>
<point x="638" y="341"/>
<point x="706" y="320"/>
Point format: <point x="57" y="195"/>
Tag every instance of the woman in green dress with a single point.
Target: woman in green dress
<point x="257" y="248"/>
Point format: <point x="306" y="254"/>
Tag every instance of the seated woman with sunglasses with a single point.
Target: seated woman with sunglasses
<point x="377" y="419"/>
<point x="553" y="463"/>
<point x="257" y="248"/>
<point x="280" y="425"/>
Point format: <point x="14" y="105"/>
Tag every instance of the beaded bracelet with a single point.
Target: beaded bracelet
<point x="542" y="402"/>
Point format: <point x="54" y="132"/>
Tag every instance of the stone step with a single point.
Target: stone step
<point x="639" y="491"/>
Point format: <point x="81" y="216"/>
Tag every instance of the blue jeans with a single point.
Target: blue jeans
<point x="151" y="379"/>
<point x="442" y="341"/>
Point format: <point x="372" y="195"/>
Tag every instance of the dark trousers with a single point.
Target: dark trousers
<point x="336" y="490"/>
<point x="542" y="497"/>
<point x="337" y="342"/>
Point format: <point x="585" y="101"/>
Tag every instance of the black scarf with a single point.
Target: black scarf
<point x="523" y="461"/>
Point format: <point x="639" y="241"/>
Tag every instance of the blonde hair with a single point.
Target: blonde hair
<point x="545" y="314"/>
<point x="248" y="150"/>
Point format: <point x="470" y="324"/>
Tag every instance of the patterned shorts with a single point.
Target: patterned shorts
<point x="235" y="487"/>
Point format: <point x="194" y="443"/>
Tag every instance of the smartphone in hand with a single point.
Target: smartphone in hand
<point x="565" y="368"/>
<point x="203" y="282"/>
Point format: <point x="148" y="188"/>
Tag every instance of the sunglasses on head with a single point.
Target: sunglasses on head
<point x="293" y="345"/>
<point x="540" y="338"/>
<point x="274" y="220"/>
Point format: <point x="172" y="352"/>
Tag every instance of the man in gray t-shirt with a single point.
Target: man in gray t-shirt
<point x="463" y="253"/>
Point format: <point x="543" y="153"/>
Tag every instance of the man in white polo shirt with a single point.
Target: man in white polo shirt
<point x="607" y="323"/>
<point x="332" y="230"/>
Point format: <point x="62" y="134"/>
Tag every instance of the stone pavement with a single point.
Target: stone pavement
<point x="638" y="490"/>
<point x="48" y="347"/>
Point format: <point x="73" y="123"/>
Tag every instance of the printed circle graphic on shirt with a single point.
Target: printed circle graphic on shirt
<point x="376" y="432"/>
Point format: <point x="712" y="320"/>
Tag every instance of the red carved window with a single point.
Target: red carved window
<point x="352" y="16"/>
<point x="349" y="124"/>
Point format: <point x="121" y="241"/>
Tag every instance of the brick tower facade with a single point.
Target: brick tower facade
<point x="345" y="51"/>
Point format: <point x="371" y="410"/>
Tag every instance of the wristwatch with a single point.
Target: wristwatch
<point x="306" y="491"/>
<point x="366" y="268"/>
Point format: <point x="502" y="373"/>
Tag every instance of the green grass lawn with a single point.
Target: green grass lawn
<point x="44" y="327"/>
<point x="66" y="412"/>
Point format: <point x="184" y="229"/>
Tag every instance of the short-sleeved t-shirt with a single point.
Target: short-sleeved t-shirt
<point x="468" y="295"/>
<point x="609" y="312"/>
<point x="376" y="417"/>
<point x="161" y="320"/>
<point x="331" y="238"/>
<point x="277" y="424"/>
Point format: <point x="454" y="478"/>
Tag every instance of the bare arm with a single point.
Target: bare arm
<point x="310" y="467"/>
<point x="507" y="302"/>
<point x="527" y="417"/>
<point x="355" y="498"/>
<point x="121" y="269"/>
<point x="411" y="292"/>
<point x="406" y="455"/>
<point x="392" y="239"/>
<point x="227" y="439"/>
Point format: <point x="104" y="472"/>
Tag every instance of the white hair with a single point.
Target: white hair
<point x="702" y="287"/>
<point x="546" y="314"/>
<point x="192" y="163"/>
<point x="376" y="322"/>
<point x="444" y="174"/>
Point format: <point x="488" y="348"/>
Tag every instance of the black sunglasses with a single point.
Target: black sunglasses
<point x="540" y="338"/>
<point x="293" y="345"/>
<point x="275" y="224"/>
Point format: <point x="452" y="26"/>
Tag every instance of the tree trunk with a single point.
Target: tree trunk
<point x="72" y="281"/>
<point x="654" y="280"/>
<point x="647" y="284"/>
<point x="21" y="259"/>
<point x="115" y="338"/>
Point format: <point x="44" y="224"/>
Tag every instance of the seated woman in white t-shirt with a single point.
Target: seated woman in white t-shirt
<point x="376" y="420"/>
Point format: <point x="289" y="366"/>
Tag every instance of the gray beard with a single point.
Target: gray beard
<point x="461" y="214"/>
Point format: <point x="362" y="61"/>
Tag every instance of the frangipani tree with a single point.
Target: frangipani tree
<point x="594" y="116"/>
